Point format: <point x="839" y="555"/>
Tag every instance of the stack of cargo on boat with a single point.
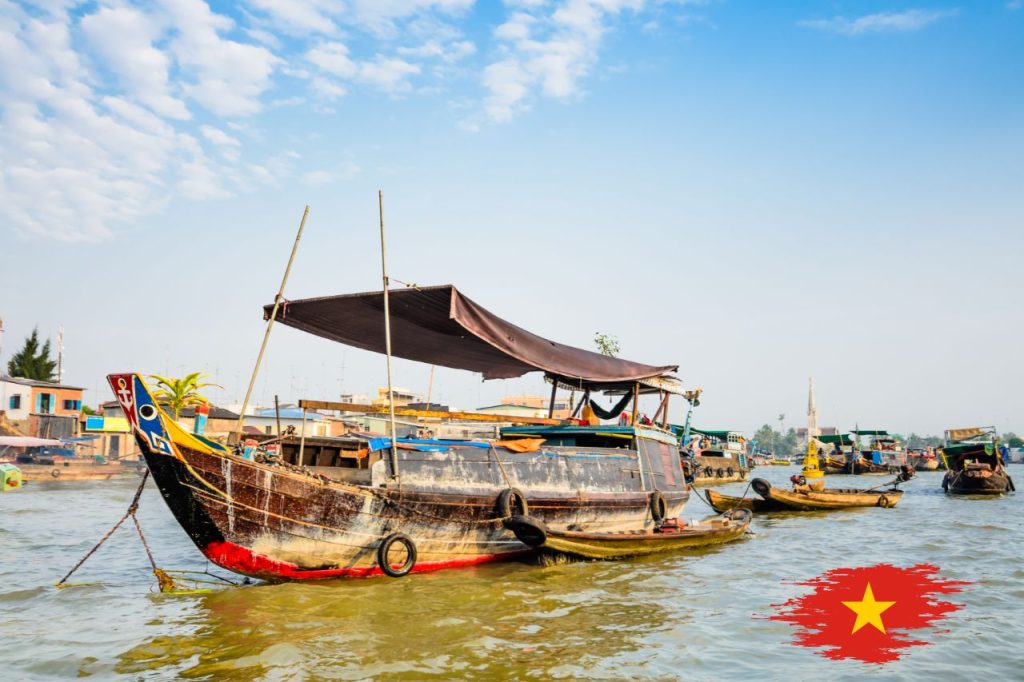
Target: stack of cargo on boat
<point x="342" y="511"/>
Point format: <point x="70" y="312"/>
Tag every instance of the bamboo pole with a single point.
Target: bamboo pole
<point x="387" y="337"/>
<point x="270" y="323"/>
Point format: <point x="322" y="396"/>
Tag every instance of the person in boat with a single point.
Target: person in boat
<point x="624" y="419"/>
<point x="1004" y="454"/>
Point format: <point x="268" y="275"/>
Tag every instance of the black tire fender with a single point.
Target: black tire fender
<point x="512" y="502"/>
<point x="55" y="473"/>
<point x="385" y="547"/>
<point x="884" y="502"/>
<point x="730" y="471"/>
<point x="761" y="487"/>
<point x="659" y="507"/>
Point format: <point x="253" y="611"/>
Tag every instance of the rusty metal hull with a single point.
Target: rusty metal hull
<point x="274" y="523"/>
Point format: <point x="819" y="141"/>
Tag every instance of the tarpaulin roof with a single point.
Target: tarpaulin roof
<point x="713" y="433"/>
<point x="440" y="326"/>
<point x="870" y="432"/>
<point x="837" y="439"/>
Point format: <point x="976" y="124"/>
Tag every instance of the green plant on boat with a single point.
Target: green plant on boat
<point x="177" y="394"/>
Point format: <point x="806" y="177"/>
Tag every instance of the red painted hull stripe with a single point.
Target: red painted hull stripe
<point x="243" y="560"/>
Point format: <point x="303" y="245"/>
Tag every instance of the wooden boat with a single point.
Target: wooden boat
<point x="723" y="503"/>
<point x="70" y="469"/>
<point x="974" y="465"/>
<point x="923" y="460"/>
<point x="671" y="536"/>
<point x="341" y="511"/>
<point x="722" y="458"/>
<point x="802" y="498"/>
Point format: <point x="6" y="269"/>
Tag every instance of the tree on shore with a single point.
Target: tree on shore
<point x="33" y="362"/>
<point x="177" y="394"/>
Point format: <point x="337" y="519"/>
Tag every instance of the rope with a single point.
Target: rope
<point x="504" y="474"/>
<point x="131" y="512"/>
<point x="165" y="582"/>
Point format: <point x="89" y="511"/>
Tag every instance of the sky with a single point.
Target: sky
<point x="758" y="192"/>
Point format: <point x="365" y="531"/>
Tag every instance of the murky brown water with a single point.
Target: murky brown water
<point x="671" y="617"/>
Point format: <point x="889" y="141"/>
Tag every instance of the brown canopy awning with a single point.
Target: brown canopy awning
<point x="440" y="326"/>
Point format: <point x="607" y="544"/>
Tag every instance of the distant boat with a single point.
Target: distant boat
<point x="922" y="459"/>
<point x="46" y="459"/>
<point x="723" y="458"/>
<point x="974" y="464"/>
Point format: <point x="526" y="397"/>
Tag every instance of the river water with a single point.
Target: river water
<point x="697" y="616"/>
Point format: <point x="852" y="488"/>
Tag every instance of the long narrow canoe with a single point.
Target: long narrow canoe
<point x="713" y="530"/>
<point x="804" y="499"/>
<point x="723" y="503"/>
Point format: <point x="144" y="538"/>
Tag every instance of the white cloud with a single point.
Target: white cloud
<point x="386" y="73"/>
<point x="225" y="76"/>
<point x="884" y="22"/>
<point x="434" y="49"/>
<point x="123" y="37"/>
<point x="302" y="16"/>
<point x="550" y="48"/>
<point x="332" y="58"/>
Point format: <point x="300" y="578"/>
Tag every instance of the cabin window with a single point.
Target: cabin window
<point x="72" y="404"/>
<point x="269" y="430"/>
<point x="15" y="402"/>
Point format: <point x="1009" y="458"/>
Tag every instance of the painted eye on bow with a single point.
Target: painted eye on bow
<point x="147" y="412"/>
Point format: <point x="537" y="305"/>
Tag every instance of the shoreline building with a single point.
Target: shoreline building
<point x="43" y="409"/>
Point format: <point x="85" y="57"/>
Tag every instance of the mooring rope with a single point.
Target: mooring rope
<point x="165" y="581"/>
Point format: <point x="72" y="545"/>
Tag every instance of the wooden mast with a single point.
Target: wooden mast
<point x="387" y="337"/>
<point x="270" y="322"/>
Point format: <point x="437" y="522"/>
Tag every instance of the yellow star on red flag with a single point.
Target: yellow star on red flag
<point x="869" y="611"/>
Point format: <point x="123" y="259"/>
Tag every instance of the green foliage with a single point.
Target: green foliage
<point x="1012" y="440"/>
<point x="33" y="362"/>
<point x="606" y="345"/>
<point x="176" y="394"/>
<point x="86" y="410"/>
<point x="778" y="444"/>
<point x="916" y="441"/>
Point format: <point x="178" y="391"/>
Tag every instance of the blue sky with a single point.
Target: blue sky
<point x="761" y="193"/>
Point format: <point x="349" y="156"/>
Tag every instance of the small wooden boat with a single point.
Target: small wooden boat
<point x="671" y="535"/>
<point x="724" y="503"/>
<point x="802" y="498"/>
<point x="36" y="469"/>
<point x="974" y="465"/>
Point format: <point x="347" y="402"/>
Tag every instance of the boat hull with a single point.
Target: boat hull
<point x="804" y="499"/>
<point x="722" y="503"/>
<point x="628" y="544"/>
<point x="977" y="483"/>
<point x="713" y="470"/>
<point x="74" y="471"/>
<point x="278" y="521"/>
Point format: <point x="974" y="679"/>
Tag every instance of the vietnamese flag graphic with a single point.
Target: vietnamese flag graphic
<point x="869" y="613"/>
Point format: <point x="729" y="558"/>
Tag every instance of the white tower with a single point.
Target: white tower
<point x="812" y="413"/>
